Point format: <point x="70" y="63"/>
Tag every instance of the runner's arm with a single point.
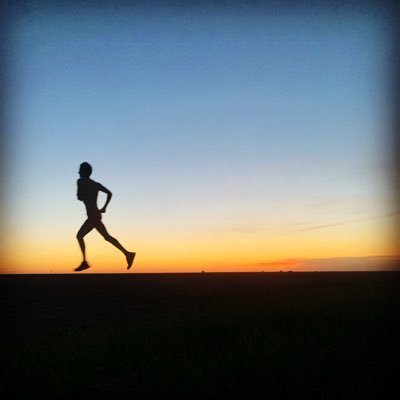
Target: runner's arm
<point x="78" y="193"/>
<point x="109" y="195"/>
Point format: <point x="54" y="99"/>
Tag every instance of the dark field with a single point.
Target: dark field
<point x="264" y="335"/>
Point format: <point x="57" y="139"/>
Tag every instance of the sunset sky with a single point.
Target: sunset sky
<point x="233" y="138"/>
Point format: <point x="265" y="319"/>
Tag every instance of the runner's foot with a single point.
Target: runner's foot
<point x="84" y="265"/>
<point x="129" y="259"/>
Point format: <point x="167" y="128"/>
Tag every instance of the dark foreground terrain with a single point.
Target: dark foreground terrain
<point x="259" y="335"/>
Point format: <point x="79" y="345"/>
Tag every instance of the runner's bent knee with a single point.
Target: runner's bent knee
<point x="107" y="237"/>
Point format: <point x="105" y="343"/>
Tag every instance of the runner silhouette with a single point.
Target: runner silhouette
<point x="87" y="192"/>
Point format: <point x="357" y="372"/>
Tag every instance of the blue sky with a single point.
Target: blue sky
<point x="197" y="119"/>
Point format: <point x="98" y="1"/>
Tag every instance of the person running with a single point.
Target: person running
<point x="87" y="192"/>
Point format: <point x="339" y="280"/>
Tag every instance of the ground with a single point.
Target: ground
<point x="322" y="335"/>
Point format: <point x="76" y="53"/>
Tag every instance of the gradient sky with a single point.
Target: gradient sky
<point x="231" y="138"/>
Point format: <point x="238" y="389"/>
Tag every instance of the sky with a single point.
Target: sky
<point x="233" y="138"/>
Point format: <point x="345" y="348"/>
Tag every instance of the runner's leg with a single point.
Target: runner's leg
<point x="83" y="231"/>
<point x="103" y="231"/>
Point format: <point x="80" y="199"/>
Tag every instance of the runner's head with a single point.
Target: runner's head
<point x="85" y="170"/>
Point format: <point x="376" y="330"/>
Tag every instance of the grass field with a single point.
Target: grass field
<point x="268" y="335"/>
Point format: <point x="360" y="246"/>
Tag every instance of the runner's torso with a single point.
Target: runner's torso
<point x="87" y="192"/>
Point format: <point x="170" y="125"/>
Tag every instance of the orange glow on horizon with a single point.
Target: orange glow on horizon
<point x="196" y="251"/>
